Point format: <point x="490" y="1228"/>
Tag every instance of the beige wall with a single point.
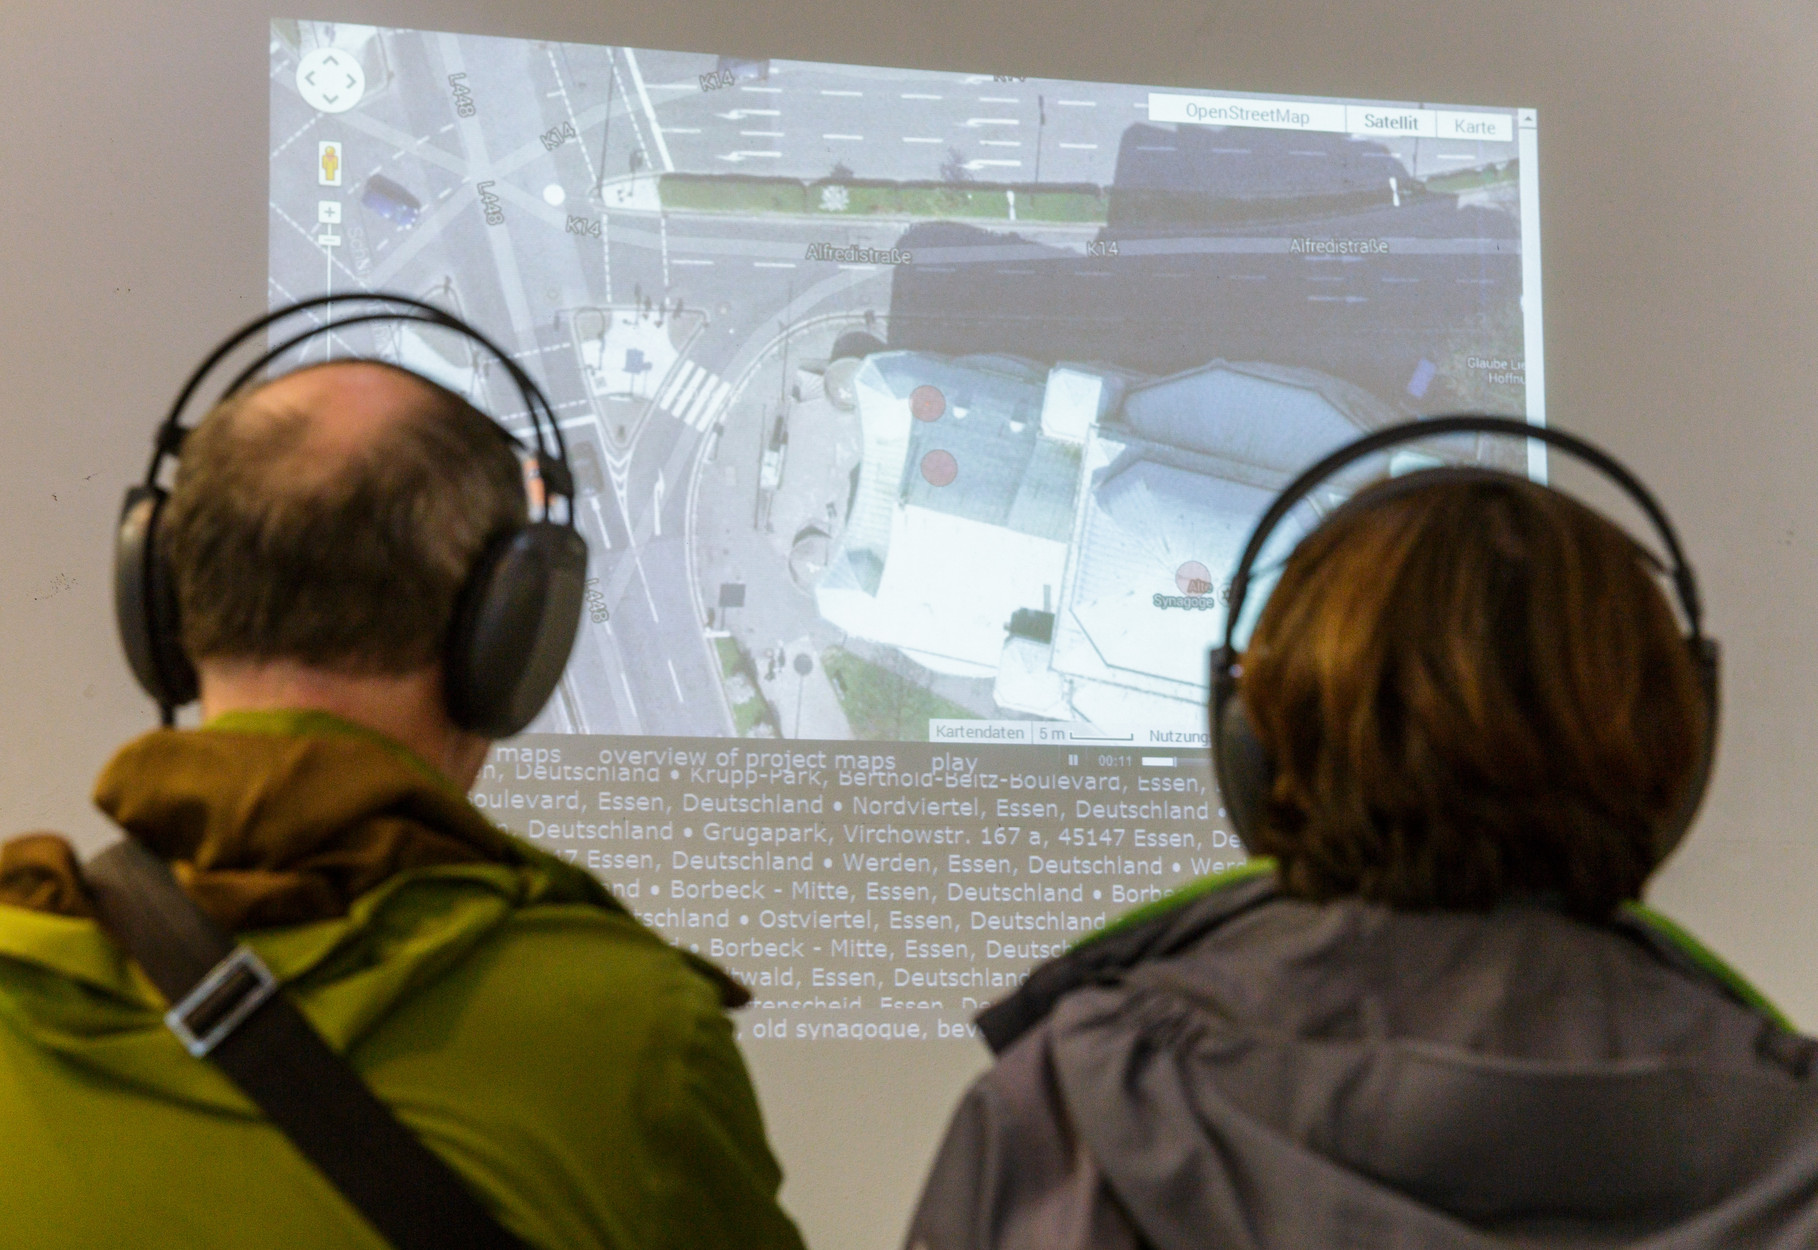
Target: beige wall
<point x="1679" y="163"/>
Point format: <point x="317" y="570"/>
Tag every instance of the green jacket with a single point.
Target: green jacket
<point x="575" y="1068"/>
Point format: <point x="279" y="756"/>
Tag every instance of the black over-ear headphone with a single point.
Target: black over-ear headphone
<point x="516" y="616"/>
<point x="1243" y="767"/>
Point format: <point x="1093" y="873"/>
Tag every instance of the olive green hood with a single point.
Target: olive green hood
<point x="574" y="1067"/>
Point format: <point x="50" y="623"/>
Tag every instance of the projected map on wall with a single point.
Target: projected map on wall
<point x="917" y="418"/>
<point x="964" y="389"/>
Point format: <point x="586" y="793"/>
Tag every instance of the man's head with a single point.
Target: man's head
<point x="1472" y="690"/>
<point x="327" y="521"/>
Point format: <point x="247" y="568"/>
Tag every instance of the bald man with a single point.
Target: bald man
<point x="577" y="1071"/>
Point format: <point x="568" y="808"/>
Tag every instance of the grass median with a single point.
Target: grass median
<point x="883" y="706"/>
<point x="744" y="195"/>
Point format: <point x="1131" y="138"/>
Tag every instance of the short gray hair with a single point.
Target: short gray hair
<point x="358" y="572"/>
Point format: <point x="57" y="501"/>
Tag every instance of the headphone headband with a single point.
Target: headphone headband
<point x="516" y="614"/>
<point x="1684" y="582"/>
<point x="1242" y="764"/>
<point x="549" y="447"/>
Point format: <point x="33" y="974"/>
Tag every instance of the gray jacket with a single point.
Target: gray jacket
<point x="1249" y="1072"/>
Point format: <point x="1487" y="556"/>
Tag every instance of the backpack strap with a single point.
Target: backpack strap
<point x="1153" y="932"/>
<point x="227" y="1007"/>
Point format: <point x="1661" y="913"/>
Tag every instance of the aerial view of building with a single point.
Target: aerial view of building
<point x="1066" y="531"/>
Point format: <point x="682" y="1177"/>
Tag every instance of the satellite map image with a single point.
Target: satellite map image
<point x="904" y="405"/>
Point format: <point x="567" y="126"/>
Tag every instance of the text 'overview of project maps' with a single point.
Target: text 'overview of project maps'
<point x="886" y="893"/>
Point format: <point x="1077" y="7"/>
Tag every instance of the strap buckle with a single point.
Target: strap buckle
<point x="232" y="991"/>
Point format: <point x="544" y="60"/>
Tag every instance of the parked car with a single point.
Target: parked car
<point x="391" y="201"/>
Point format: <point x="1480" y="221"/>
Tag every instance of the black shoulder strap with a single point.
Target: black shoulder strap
<point x="227" y="1007"/>
<point x="1115" y="953"/>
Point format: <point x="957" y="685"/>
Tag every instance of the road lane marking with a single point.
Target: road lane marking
<point x="829" y="91"/>
<point x="605" y="534"/>
<point x="1080" y="147"/>
<point x="631" y="113"/>
<point x="698" y="412"/>
<point x="917" y="139"/>
<point x="682" y="260"/>
<point x="676" y="682"/>
<point x="760" y="134"/>
<point x="626" y="681"/>
<point x="684" y="130"/>
<point x="919" y="95"/>
<point x="573" y="120"/>
<point x="666" y="397"/>
<point x="973" y="123"/>
<point x="689" y="392"/>
<point x="1078" y="104"/>
<point x="742" y="155"/>
<point x="850" y="138"/>
<point x="301" y="130"/>
<point x="649" y="598"/>
<point x="709" y="404"/>
<point x="773" y="264"/>
<point x="998" y="99"/>
<point x="1000" y="143"/>
<point x="656" y="131"/>
<point x="763" y="90"/>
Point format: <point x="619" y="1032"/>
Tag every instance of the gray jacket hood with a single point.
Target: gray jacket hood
<point x="1264" y="1073"/>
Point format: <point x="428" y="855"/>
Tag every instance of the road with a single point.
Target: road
<point x="804" y="118"/>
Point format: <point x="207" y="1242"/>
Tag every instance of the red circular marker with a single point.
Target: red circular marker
<point x="927" y="403"/>
<point x="1193" y="578"/>
<point x="939" y="467"/>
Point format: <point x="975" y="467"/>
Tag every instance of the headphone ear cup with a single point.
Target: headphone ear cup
<point x="514" y="625"/>
<point x="145" y="602"/>
<point x="1707" y="663"/>
<point x="1239" y="761"/>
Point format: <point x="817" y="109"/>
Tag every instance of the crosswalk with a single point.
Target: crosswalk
<point x="695" y="396"/>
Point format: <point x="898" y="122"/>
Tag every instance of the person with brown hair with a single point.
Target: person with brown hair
<point x="577" y="1072"/>
<point x="1431" y="1012"/>
<point x="1472" y="691"/>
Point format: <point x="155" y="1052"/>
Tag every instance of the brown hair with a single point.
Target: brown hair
<point x="1472" y="689"/>
<point x="356" y="571"/>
